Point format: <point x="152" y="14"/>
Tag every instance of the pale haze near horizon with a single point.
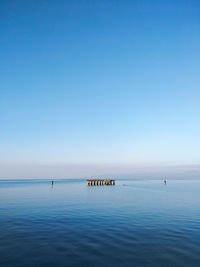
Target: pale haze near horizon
<point x="100" y="88"/>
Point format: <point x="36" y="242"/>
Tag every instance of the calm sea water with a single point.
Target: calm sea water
<point x="141" y="223"/>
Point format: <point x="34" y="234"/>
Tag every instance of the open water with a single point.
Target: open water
<point x="134" y="223"/>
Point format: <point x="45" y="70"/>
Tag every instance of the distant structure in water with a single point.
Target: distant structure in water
<point x="100" y="182"/>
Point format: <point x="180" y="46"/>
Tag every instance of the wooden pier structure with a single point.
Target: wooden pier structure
<point x="100" y="182"/>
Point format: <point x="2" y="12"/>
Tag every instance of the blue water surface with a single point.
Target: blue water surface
<point x="134" y="223"/>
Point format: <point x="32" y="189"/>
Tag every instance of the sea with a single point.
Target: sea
<point x="132" y="223"/>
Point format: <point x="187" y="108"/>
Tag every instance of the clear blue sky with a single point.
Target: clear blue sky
<point x="99" y="82"/>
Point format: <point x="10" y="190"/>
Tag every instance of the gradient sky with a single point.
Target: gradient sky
<point x="98" y="83"/>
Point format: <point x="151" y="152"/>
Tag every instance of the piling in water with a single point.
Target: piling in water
<point x="92" y="182"/>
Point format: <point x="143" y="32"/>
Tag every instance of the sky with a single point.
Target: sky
<point x="99" y="87"/>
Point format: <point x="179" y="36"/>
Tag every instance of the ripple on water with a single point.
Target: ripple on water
<point x="144" y="224"/>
